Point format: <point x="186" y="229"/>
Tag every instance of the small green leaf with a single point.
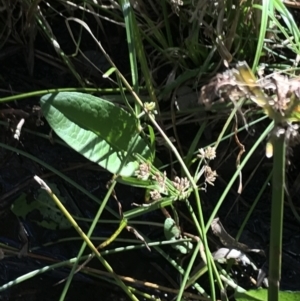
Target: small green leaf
<point x="99" y="130"/>
<point x="172" y="232"/>
<point x="41" y="210"/>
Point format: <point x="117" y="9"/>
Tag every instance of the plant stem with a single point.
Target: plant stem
<point x="85" y="238"/>
<point x="277" y="216"/>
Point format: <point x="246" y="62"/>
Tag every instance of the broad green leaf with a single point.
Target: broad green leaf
<point x="262" y="295"/>
<point x="98" y="129"/>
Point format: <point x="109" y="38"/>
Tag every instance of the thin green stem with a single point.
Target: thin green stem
<point x="42" y="92"/>
<point x="237" y="172"/>
<point x="90" y="232"/>
<point x="195" y="189"/>
<point x="250" y="211"/>
<point x="58" y="173"/>
<point x="85" y="238"/>
<point x="188" y="270"/>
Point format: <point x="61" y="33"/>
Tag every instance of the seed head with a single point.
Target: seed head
<point x="208" y="153"/>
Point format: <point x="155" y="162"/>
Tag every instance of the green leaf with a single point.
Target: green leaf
<point x="41" y="210"/>
<point x="172" y="232"/>
<point x="262" y="295"/>
<point x="98" y="129"/>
